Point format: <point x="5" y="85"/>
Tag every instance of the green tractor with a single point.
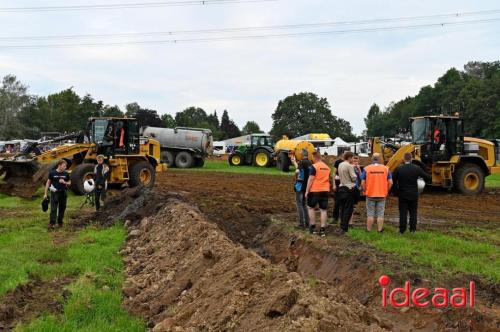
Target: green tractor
<point x="258" y="153"/>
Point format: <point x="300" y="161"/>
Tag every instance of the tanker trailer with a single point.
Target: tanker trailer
<point x="285" y="148"/>
<point x="181" y="146"/>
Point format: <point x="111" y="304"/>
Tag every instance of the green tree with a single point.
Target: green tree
<point x="251" y="127"/>
<point x="228" y="128"/>
<point x="112" y="111"/>
<point x="191" y="117"/>
<point x="304" y="113"/>
<point x="13" y="98"/>
<point x="473" y="93"/>
<point x="168" y="121"/>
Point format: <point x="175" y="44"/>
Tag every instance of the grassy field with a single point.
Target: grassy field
<point x="445" y="253"/>
<point x="493" y="181"/>
<point x="89" y="256"/>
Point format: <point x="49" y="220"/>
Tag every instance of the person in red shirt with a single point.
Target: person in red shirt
<point x="318" y="188"/>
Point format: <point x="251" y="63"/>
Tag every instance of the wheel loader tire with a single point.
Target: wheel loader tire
<point x="184" y="160"/>
<point x="235" y="159"/>
<point x="283" y="162"/>
<point x="168" y="157"/>
<point x="199" y="162"/>
<point x="79" y="175"/>
<point x="469" y="179"/>
<point x="261" y="158"/>
<point x="142" y="174"/>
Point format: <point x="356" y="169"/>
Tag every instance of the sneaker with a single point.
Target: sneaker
<point x="60" y="225"/>
<point x="51" y="227"/>
<point x="322" y="232"/>
<point x="312" y="229"/>
<point x="381" y="231"/>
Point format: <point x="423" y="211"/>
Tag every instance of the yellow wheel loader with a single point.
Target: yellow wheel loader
<point x="440" y="148"/>
<point x="132" y="159"/>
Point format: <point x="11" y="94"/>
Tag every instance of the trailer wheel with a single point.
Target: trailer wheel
<point x="199" y="162"/>
<point x="283" y="162"/>
<point x="469" y="179"/>
<point x="184" y="160"/>
<point x="142" y="173"/>
<point x="79" y="175"/>
<point x="168" y="157"/>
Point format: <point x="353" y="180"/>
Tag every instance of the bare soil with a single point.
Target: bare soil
<point x="258" y="212"/>
<point x="31" y="300"/>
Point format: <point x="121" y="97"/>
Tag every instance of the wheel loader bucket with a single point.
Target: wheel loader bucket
<point x="22" y="178"/>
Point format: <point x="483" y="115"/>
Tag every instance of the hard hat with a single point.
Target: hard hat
<point x="420" y="185"/>
<point x="89" y="186"/>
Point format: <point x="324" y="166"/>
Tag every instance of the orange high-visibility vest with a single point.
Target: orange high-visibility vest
<point x="321" y="180"/>
<point x="376" y="182"/>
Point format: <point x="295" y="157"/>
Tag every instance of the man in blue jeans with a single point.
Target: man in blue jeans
<point x="300" y="185"/>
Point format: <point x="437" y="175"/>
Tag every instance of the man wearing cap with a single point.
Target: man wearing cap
<point x="376" y="182"/>
<point x="300" y="185"/>
<point x="101" y="175"/>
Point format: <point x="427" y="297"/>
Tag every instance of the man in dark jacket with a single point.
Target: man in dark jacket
<point x="101" y="175"/>
<point x="58" y="184"/>
<point x="405" y="182"/>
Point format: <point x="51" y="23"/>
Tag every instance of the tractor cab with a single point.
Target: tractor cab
<point x="439" y="137"/>
<point x="257" y="140"/>
<point x="114" y="136"/>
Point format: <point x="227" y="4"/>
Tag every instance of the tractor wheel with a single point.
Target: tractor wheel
<point x="469" y="179"/>
<point x="142" y="174"/>
<point x="235" y="159"/>
<point x="168" y="157"/>
<point x="283" y="162"/>
<point x="262" y="158"/>
<point x="79" y="175"/>
<point x="199" y="162"/>
<point x="184" y="160"/>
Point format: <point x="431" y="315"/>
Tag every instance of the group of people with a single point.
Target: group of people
<point x="59" y="182"/>
<point x="314" y="182"/>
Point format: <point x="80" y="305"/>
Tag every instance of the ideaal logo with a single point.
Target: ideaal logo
<point x="423" y="297"/>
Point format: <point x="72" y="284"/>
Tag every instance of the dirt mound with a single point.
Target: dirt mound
<point x="184" y="273"/>
<point x="32" y="300"/>
<point x="129" y="204"/>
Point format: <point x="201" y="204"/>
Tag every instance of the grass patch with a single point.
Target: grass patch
<point x="223" y="166"/>
<point x="493" y="181"/>
<point x="90" y="255"/>
<point x="444" y="253"/>
<point x="95" y="301"/>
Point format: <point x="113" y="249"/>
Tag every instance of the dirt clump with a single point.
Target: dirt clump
<point x="185" y="274"/>
<point x="31" y="300"/>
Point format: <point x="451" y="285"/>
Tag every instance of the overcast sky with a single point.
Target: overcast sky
<point x="247" y="77"/>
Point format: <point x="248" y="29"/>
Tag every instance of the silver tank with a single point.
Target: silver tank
<point x="182" y="138"/>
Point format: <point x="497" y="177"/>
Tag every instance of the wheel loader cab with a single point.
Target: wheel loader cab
<point x="439" y="137"/>
<point x="114" y="136"/>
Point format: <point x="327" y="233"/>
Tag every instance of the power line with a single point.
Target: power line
<point x="124" y="5"/>
<point x="255" y="28"/>
<point x="250" y="37"/>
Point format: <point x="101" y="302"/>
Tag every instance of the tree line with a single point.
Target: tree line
<point x="473" y="92"/>
<point x="24" y="115"/>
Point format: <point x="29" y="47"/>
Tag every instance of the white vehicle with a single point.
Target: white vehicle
<point x="220" y="148"/>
